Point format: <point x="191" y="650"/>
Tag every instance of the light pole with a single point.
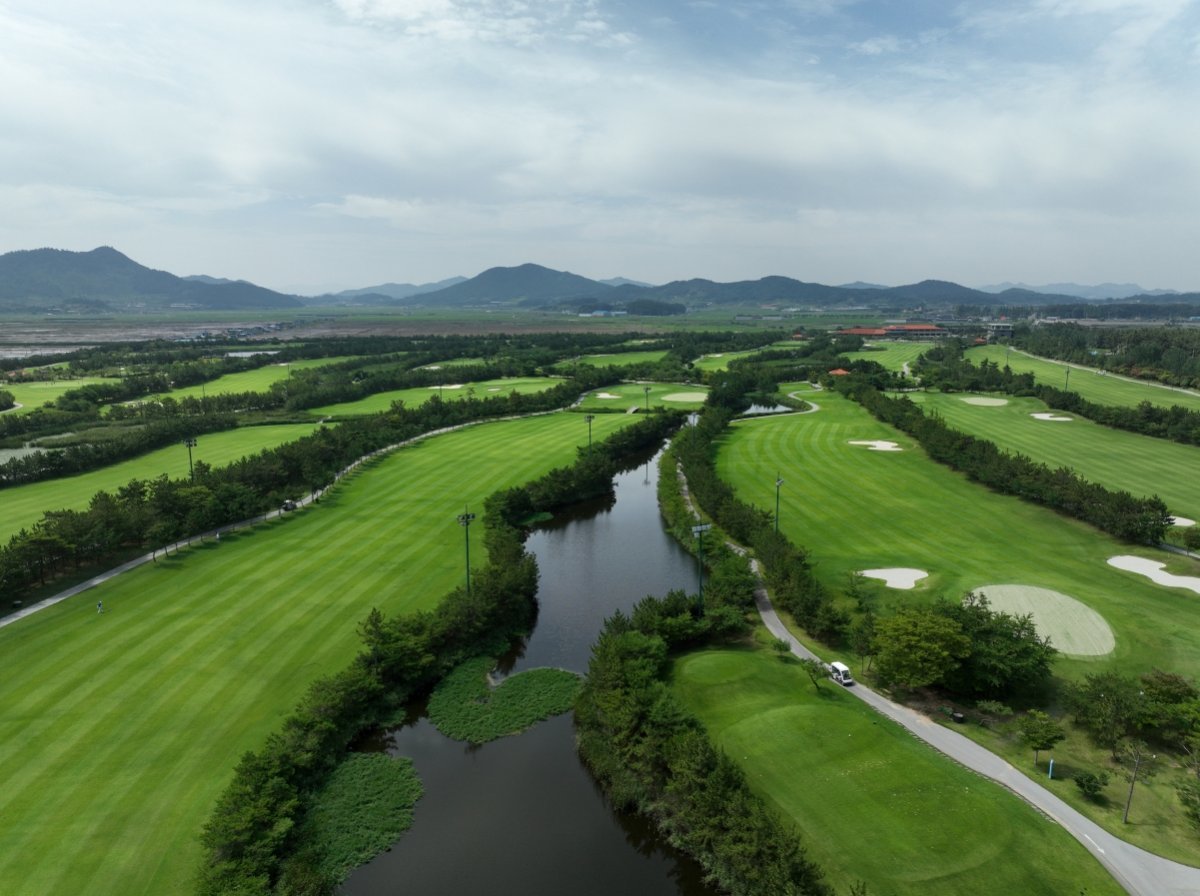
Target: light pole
<point x="464" y="520"/>
<point x="191" y="443"/>
<point x="589" y="418"/>
<point x="646" y="389"/>
<point x="1067" y="384"/>
<point x="699" y="531"/>
<point x="778" y="484"/>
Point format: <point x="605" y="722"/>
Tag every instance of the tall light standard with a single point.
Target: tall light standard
<point x="778" y="484"/>
<point x="699" y="531"/>
<point x="1067" y="384"/>
<point x="464" y="520"/>
<point x="646" y="389"/>
<point x="589" y="418"/>
<point x="191" y="443"/>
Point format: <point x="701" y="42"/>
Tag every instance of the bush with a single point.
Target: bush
<point x="1092" y="784"/>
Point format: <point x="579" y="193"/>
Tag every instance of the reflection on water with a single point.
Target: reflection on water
<point x="521" y="814"/>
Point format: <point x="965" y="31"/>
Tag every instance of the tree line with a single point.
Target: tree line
<point x="1166" y="354"/>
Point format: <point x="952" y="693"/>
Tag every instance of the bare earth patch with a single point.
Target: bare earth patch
<point x="1155" y="572"/>
<point x="984" y="402"/>
<point x="896" y="577"/>
<point x="1073" y="627"/>
<point x="1182" y="522"/>
<point x="877" y="444"/>
<point x="685" y="396"/>
<point x="1057" y="418"/>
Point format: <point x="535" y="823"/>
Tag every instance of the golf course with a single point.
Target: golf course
<point x="630" y="396"/>
<point x="382" y="401"/>
<point x="214" y="646"/>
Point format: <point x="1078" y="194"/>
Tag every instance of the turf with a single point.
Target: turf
<point x="33" y="395"/>
<point x="873" y="803"/>
<point x="857" y="509"/>
<point x="120" y="730"/>
<point x="1117" y="459"/>
<point x="1102" y="389"/>
<point x="25" y="504"/>
<point x="722" y="360"/>
<point x="892" y="355"/>
<point x="258" y="380"/>
<point x="633" y="395"/>
<point x="621" y="359"/>
<point x="382" y="401"/>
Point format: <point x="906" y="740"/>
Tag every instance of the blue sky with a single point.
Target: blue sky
<point x="311" y="145"/>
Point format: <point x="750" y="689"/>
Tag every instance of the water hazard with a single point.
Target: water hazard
<point x="521" y="814"/>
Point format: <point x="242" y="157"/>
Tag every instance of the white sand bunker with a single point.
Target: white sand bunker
<point x="447" y="386"/>
<point x="1182" y="522"/>
<point x="431" y="367"/>
<point x="1073" y="627"/>
<point x="1155" y="572"/>
<point x="605" y="395"/>
<point x="897" y="577"/>
<point x="983" y="402"/>
<point x="877" y="444"/>
<point x="493" y="388"/>
<point x="685" y="396"/>
<point x="1057" y="418"/>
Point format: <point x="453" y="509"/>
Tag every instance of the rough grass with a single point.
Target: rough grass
<point x="1122" y="460"/>
<point x="465" y="707"/>
<point x="25" y="504"/>
<point x="366" y="805"/>
<point x="382" y="401"/>
<point x="119" y="731"/>
<point x="873" y="802"/>
<point x="633" y="395"/>
<point x="857" y="509"/>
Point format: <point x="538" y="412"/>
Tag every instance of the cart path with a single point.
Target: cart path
<point x="1141" y="873"/>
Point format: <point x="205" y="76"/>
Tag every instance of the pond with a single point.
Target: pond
<point x="522" y="814"/>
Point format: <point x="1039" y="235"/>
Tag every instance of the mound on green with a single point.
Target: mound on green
<point x="873" y="803"/>
<point x="120" y="730"/>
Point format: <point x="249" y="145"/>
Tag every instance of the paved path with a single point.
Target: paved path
<point x="1141" y="873"/>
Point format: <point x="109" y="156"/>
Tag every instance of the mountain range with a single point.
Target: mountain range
<point x="103" y="279"/>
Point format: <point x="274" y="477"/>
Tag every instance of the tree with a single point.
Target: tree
<point x="1105" y="705"/>
<point x="1191" y="538"/>
<point x="918" y="647"/>
<point x="1139" y="763"/>
<point x="1007" y="654"/>
<point x="1189" y="796"/>
<point x="862" y="638"/>
<point x="7" y="400"/>
<point x="1091" y="784"/>
<point x="782" y="648"/>
<point x="815" y="670"/>
<point x="1040" y="732"/>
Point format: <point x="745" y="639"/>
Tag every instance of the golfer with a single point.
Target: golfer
<point x="99" y="606"/>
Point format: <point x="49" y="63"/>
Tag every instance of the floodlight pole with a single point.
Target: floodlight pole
<point x="699" y="531"/>
<point x="589" y="418"/>
<point x="778" y="484"/>
<point x="1067" y="384"/>
<point x="191" y="443"/>
<point x="647" y="391"/>
<point x="464" y="520"/>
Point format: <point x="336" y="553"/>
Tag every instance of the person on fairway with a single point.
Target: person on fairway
<point x="99" y="606"/>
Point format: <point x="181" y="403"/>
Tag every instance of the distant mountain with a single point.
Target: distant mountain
<point x="1098" y="292"/>
<point x="859" y="284"/>
<point x="396" y="290"/>
<point x="529" y="284"/>
<point x="211" y="281"/>
<point x="623" y="281"/>
<point x="56" y="279"/>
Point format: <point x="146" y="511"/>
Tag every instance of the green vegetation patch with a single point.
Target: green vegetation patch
<point x="33" y="395"/>
<point x="367" y="804"/>
<point x="892" y="355"/>
<point x="450" y="391"/>
<point x="465" y="706"/>
<point x="622" y="359"/>
<point x="627" y="396"/>
<point x="873" y="803"/>
<point x="258" y="380"/>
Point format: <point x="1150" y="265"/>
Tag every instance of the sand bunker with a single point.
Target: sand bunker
<point x="877" y="445"/>
<point x="605" y="395"/>
<point x="897" y="577"/>
<point x="432" y="367"/>
<point x="1073" y="627"/>
<point x="1182" y="522"/>
<point x="447" y="386"/>
<point x="685" y="396"/>
<point x="1057" y="418"/>
<point x="1154" y="571"/>
<point x="983" y="402"/>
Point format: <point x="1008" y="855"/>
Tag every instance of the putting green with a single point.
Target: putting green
<point x="1073" y="627"/>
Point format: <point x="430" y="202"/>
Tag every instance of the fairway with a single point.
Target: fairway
<point x="1094" y="386"/>
<point x="873" y="803"/>
<point x="258" y="380"/>
<point x="25" y="504"/>
<point x="1138" y="464"/>
<point x="33" y="395"/>
<point x="856" y="509"/>
<point x="120" y="730"/>
<point x="620" y="359"/>
<point x="722" y="360"/>
<point x="455" y="391"/>
<point x="625" y="396"/>
<point x="892" y="355"/>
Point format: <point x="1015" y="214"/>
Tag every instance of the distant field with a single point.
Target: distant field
<point x="1100" y="388"/>
<point x="858" y="509"/>
<point x="374" y="404"/>
<point x="872" y="802"/>
<point x="892" y="355"/>
<point x="620" y="359"/>
<point x="1121" y="460"/>
<point x="720" y="360"/>
<point x="25" y="504"/>
<point x="119" y="731"/>
<point x="34" y="395"/>
<point x="633" y="395"/>
<point x="258" y="380"/>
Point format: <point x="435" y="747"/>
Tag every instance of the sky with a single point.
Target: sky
<point x="319" y="145"/>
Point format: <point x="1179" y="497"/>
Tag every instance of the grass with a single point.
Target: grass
<point x="33" y="395"/>
<point x="721" y="361"/>
<point x="874" y="803"/>
<point x="258" y="380"/>
<point x="1107" y="389"/>
<point x="366" y="806"/>
<point x="633" y="395"/>
<point x="119" y="731"/>
<point x="382" y="401"/>
<point x="892" y="355"/>
<point x="25" y="504"/>
<point x="857" y="509"/>
<point x="620" y="359"/>
<point x="465" y="707"/>
<point x="1120" y="460"/>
